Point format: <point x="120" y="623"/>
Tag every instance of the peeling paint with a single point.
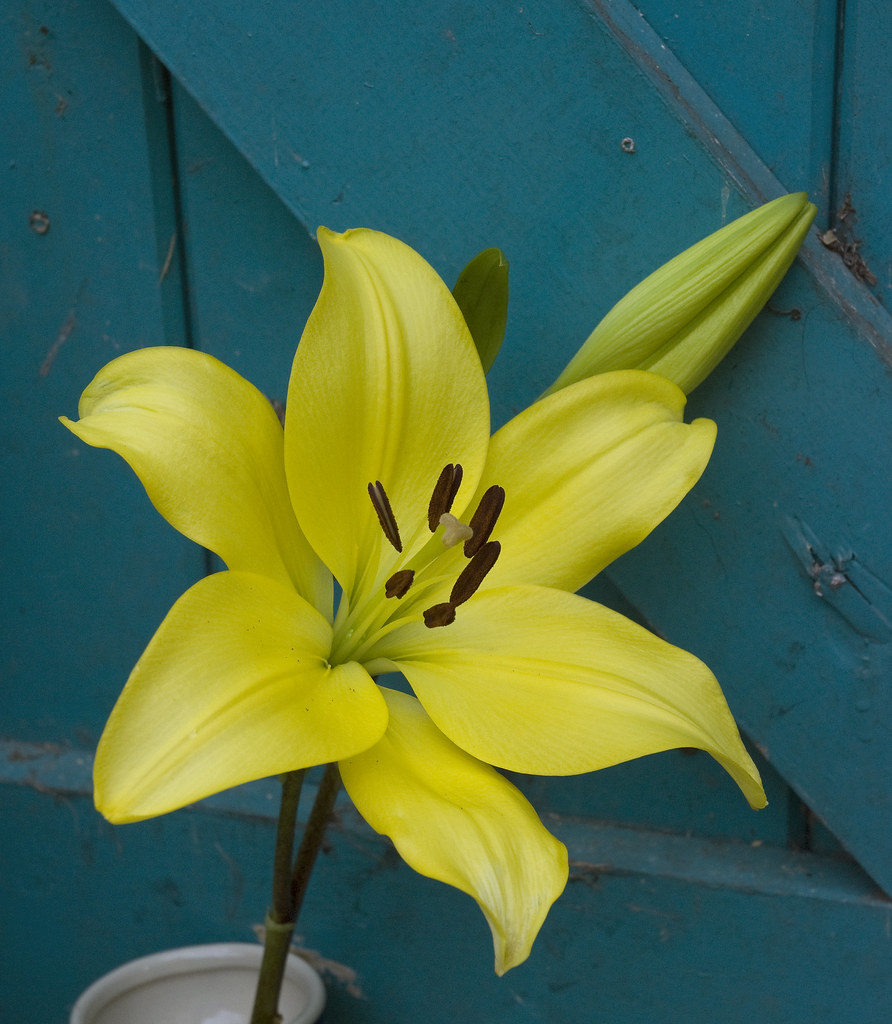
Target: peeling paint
<point x="64" y="332"/>
<point x="341" y="973"/>
<point x="843" y="581"/>
<point x="841" y="240"/>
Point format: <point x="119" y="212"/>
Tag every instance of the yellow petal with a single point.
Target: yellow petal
<point x="386" y="386"/>
<point x="588" y="472"/>
<point x="208" y="448"/>
<point x="546" y="682"/>
<point x="234" y="686"/>
<point x="455" y="819"/>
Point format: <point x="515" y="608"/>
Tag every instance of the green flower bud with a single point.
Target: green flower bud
<point x="683" y="319"/>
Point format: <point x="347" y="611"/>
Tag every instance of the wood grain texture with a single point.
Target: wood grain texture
<point x="460" y="125"/>
<point x="89" y="570"/>
<point x="650" y="927"/>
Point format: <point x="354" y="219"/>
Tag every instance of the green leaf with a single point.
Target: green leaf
<point x="481" y="292"/>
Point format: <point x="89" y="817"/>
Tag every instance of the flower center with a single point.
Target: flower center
<point x="480" y="551"/>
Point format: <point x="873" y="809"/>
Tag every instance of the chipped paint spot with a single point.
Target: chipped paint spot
<point x="726" y="195"/>
<point x="841" y="240"/>
<point x="843" y="581"/>
<point x="341" y="973"/>
<point x="64" y="332"/>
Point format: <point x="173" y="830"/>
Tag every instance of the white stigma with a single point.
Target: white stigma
<point x="454" y="530"/>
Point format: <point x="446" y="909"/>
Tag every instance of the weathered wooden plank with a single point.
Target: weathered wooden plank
<point x="770" y="69"/>
<point x="789" y="517"/>
<point x="806" y="84"/>
<point x="254" y="270"/>
<point x="736" y="158"/>
<point x="864" y="150"/>
<point x="89" y="570"/>
<point x="647" y="922"/>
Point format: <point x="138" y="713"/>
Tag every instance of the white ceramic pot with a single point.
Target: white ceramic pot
<point x="197" y="985"/>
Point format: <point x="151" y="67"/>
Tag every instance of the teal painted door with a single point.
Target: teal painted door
<point x="165" y="165"/>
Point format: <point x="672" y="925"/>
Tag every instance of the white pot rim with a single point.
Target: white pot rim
<point x="186" y="959"/>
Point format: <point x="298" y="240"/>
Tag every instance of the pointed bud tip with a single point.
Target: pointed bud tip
<point x="682" y="319"/>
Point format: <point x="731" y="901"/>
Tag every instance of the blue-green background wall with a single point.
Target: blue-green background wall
<point x="164" y="166"/>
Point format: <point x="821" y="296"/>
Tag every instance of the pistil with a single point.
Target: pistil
<point x="455" y="531"/>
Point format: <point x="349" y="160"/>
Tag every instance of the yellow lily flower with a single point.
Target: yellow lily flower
<point x="457" y="555"/>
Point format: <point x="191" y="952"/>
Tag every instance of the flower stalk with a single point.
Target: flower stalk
<point x="313" y="834"/>
<point x="290" y="884"/>
<point x="280" y="918"/>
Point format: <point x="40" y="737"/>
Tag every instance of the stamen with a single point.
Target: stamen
<point x="456" y="483"/>
<point x="385" y="515"/>
<point x="398" y="584"/>
<point x="484" y="519"/>
<point x="439" y="615"/>
<point x="474" y="572"/>
<point x="445" y="490"/>
<point x="454" y="530"/>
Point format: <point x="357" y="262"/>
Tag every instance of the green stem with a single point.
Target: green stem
<point x="276" y="941"/>
<point x="290" y="884"/>
<point x="313" y="833"/>
<point x="282" y="908"/>
<point x="279" y="923"/>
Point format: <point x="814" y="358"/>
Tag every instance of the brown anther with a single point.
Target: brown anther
<point x="445" y="490"/>
<point x="484" y="519"/>
<point x="474" y="572"/>
<point x="398" y="584"/>
<point x="439" y="615"/>
<point x="385" y="515"/>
